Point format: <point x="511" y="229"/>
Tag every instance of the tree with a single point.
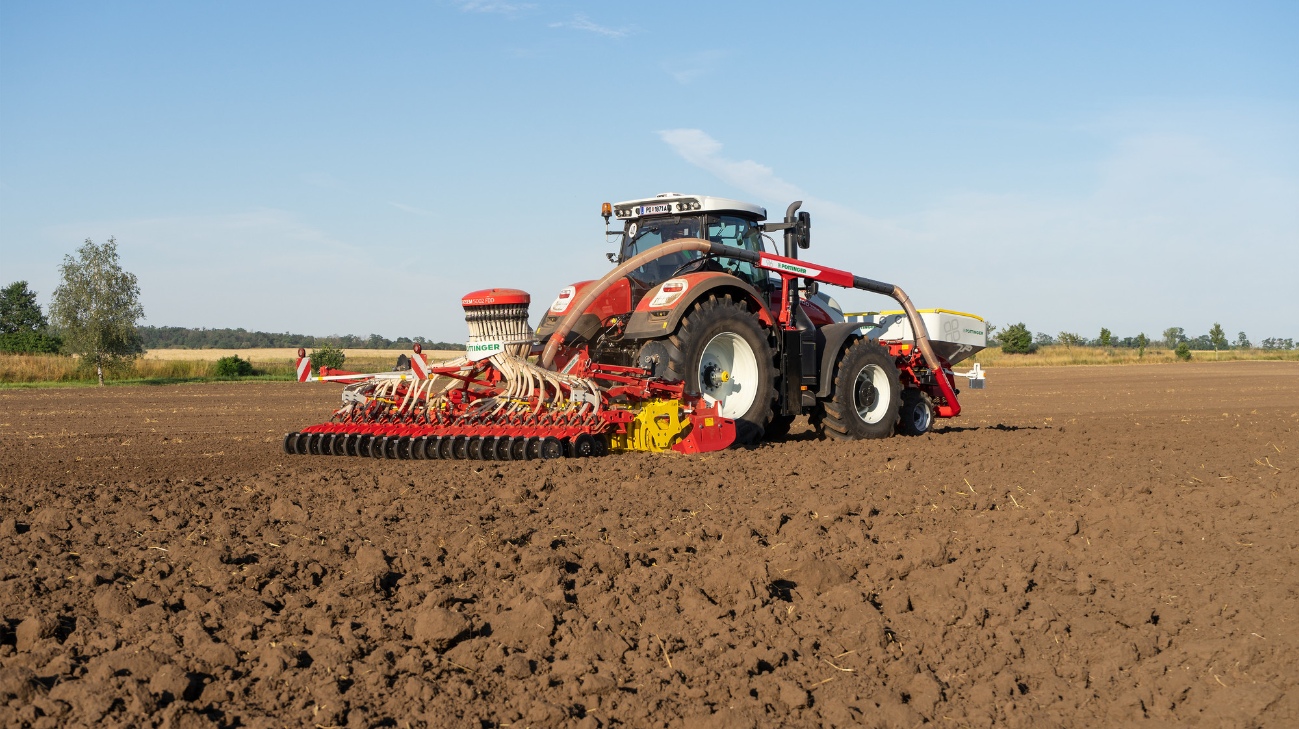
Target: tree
<point x="1016" y="339"/>
<point x="19" y="311"/>
<point x="96" y="307"/>
<point x="233" y="366"/>
<point x="1142" y="341"/>
<point x="1107" y="337"/>
<point x="1174" y="336"/>
<point x="1242" y="341"/>
<point x="1043" y="339"/>
<point x="989" y="328"/>
<point x="327" y="356"/>
<point x="23" y="328"/>
<point x="1217" y="337"/>
<point x="1183" y="352"/>
<point x="1069" y="339"/>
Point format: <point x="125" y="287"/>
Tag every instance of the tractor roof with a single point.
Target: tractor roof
<point x="675" y="203"/>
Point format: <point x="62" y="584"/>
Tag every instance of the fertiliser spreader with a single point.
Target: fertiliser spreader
<point x="699" y="338"/>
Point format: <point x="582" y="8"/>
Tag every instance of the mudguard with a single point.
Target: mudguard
<point x="613" y="302"/>
<point x="661" y="309"/>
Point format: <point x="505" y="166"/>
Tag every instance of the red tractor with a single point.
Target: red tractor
<point x="748" y="330"/>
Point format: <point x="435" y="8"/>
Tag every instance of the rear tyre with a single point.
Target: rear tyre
<point x="916" y="416"/>
<point x="866" y="396"/>
<point x="720" y="351"/>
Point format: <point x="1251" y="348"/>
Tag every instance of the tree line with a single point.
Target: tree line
<point x="203" y="338"/>
<point x="1018" y="339"/>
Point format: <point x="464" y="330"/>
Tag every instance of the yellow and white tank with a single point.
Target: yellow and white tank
<point x="955" y="335"/>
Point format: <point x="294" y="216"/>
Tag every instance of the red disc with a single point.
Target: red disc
<point x="496" y="297"/>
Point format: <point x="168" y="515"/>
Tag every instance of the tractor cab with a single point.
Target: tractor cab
<point x="650" y="222"/>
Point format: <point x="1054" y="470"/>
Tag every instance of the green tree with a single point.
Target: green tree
<point x="1242" y="341"/>
<point x="1218" y="337"/>
<point x="1069" y="339"/>
<point x="1016" y="339"/>
<point x="1174" y="336"/>
<point x="96" y="308"/>
<point x="23" y="328"/>
<point x="1142" y="342"/>
<point x="233" y="366"/>
<point x="1183" y="352"/>
<point x="19" y="311"/>
<point x="327" y="356"/>
<point x="1107" y="337"/>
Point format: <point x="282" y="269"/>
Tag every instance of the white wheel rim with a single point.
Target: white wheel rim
<point x="728" y="374"/>
<point x="871" y="394"/>
<point x="921" y="417"/>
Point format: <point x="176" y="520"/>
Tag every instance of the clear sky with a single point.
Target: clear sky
<point x="355" y="167"/>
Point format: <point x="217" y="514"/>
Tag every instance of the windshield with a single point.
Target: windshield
<point x="728" y="230"/>
<point x="653" y="232"/>
<point x="739" y="233"/>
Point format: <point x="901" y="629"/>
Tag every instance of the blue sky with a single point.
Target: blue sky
<point x="338" y="168"/>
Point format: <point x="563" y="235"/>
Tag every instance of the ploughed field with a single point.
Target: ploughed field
<point x="1085" y="547"/>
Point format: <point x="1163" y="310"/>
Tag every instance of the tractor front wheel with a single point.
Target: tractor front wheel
<point x="720" y="351"/>
<point x="867" y="394"/>
<point x="917" y="414"/>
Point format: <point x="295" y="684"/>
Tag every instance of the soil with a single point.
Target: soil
<point x="1087" y="546"/>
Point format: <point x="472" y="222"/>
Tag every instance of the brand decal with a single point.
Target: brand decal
<point x="482" y="350"/>
<point x="790" y="267"/>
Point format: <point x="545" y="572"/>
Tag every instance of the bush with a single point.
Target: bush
<point x="29" y="343"/>
<point x="1017" y="339"/>
<point x="327" y="356"/>
<point x="232" y="366"/>
<point x="1183" y="352"/>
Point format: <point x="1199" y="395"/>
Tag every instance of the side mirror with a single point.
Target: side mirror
<point x="803" y="230"/>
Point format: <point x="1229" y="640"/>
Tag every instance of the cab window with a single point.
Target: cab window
<point x="653" y="232"/>
<point x="738" y="233"/>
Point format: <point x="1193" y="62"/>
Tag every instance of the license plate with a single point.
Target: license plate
<point x="656" y="209"/>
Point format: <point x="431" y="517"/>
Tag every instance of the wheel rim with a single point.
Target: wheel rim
<point x="871" y="394"/>
<point x="728" y="374"/>
<point x="921" y="418"/>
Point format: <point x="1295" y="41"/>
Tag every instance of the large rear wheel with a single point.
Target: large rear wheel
<point x="867" y="394"/>
<point x="720" y="351"/>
